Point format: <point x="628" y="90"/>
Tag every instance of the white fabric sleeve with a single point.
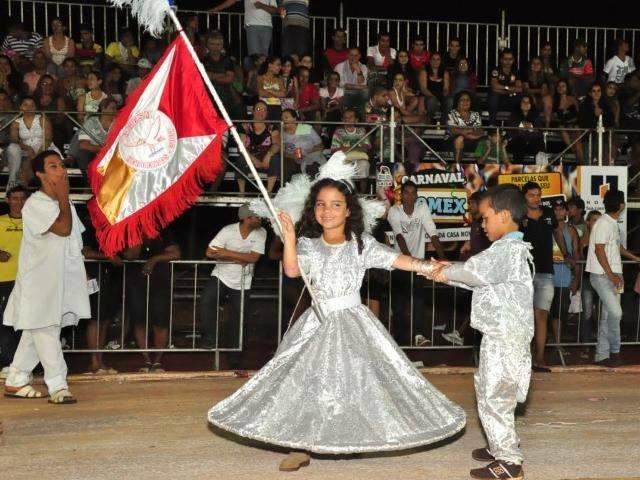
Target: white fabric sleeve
<point x="600" y="232"/>
<point x="377" y="255"/>
<point x="221" y="238"/>
<point x="608" y="66"/>
<point x="38" y="215"/>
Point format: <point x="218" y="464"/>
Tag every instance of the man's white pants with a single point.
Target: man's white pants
<point x="39" y="345"/>
<point x="502" y="380"/>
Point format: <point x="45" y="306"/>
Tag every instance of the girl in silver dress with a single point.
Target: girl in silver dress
<point x="338" y="383"/>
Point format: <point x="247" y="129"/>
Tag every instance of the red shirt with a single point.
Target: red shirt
<point x="334" y="57"/>
<point x="419" y="61"/>
<point x="308" y="95"/>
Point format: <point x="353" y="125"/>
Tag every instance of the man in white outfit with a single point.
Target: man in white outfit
<point x="51" y="285"/>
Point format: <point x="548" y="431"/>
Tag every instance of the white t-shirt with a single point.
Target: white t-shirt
<point x="617" y="69"/>
<point x="230" y="238"/>
<point x="412" y="228"/>
<point x="337" y="95"/>
<point x="256" y="16"/>
<point x="605" y="231"/>
<point x="378" y="58"/>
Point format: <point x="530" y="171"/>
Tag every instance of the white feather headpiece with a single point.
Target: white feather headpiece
<point x="150" y="13"/>
<point x="292" y="197"/>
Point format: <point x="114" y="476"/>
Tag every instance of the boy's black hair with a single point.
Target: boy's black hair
<point x="408" y="184"/>
<point x="613" y="199"/>
<point x="507" y="197"/>
<point x="16" y="189"/>
<point x="592" y="213"/>
<point x="531" y="186"/>
<point x="577" y="202"/>
<point x="477" y="196"/>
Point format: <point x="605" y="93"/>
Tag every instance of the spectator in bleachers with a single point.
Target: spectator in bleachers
<point x="93" y="134"/>
<point x="380" y="58"/>
<point x="9" y="77"/>
<point x="302" y="145"/>
<point x="256" y="62"/>
<point x="453" y="55"/>
<point x="30" y="134"/>
<point x="540" y="228"/>
<point x="71" y="85"/>
<point x="263" y="144"/>
<point x="191" y="27"/>
<point x="403" y="66"/>
<point x="296" y="33"/>
<point x="114" y="84"/>
<point x="412" y="225"/>
<point x="242" y="244"/>
<point x="90" y="101"/>
<point x="221" y="71"/>
<point x="526" y="140"/>
<point x="331" y="98"/>
<point x="6" y="106"/>
<point x="575" y="211"/>
<point x="419" y="55"/>
<point x="463" y="79"/>
<point x="88" y="52"/>
<point x="409" y="108"/>
<point x="271" y="88"/>
<point x="604" y="263"/>
<point x="549" y="64"/>
<point x="21" y="45"/>
<point x="435" y="83"/>
<point x="338" y="51"/>
<point x="148" y="289"/>
<point x="144" y="68"/>
<point x="290" y="83"/>
<point x="10" y="239"/>
<point x="492" y="151"/>
<point x="611" y="97"/>
<point x="620" y="65"/>
<point x="378" y="109"/>
<point x="465" y="126"/>
<point x="505" y="86"/>
<point x="353" y="78"/>
<point x="47" y="100"/>
<point x="124" y="52"/>
<point x="630" y="101"/>
<point x="316" y="77"/>
<point x="561" y="111"/>
<point x="536" y="82"/>
<point x="152" y="50"/>
<point x="578" y="69"/>
<point x="58" y="47"/>
<point x="308" y="97"/>
<point x="594" y="105"/>
<point x="257" y="23"/>
<point x="351" y="140"/>
<point x="31" y="78"/>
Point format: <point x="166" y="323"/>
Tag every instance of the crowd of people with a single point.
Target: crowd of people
<point x="320" y="97"/>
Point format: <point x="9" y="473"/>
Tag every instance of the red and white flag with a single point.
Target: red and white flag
<point x="163" y="146"/>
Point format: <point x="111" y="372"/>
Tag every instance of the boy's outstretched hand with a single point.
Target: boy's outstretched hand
<point x="439" y="270"/>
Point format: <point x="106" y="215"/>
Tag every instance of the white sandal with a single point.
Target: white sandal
<point x="62" y="397"/>
<point x="26" y="391"/>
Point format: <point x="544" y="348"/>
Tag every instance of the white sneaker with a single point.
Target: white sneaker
<point x="453" y="337"/>
<point x="421" y="341"/>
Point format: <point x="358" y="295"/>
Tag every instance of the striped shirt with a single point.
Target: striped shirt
<point x="23" y="46"/>
<point x="297" y="13"/>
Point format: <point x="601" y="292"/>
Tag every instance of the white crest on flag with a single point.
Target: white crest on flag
<point x="148" y="140"/>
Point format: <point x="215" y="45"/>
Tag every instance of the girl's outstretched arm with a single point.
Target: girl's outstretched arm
<point x="290" y="255"/>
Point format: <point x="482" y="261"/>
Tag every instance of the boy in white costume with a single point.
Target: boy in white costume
<point x="51" y="286"/>
<point x="502" y="309"/>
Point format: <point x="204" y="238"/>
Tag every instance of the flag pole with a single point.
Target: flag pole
<point x="241" y="146"/>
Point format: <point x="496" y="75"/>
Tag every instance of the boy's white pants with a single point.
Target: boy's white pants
<point x="39" y="345"/>
<point x="502" y="380"/>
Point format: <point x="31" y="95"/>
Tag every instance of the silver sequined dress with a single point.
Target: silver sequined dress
<point x="342" y="386"/>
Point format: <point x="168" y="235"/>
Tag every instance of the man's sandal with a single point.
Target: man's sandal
<point x="62" y="397"/>
<point x="294" y="461"/>
<point x="27" y="391"/>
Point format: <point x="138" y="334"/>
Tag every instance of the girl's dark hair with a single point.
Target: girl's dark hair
<point x="292" y="112"/>
<point x="533" y="112"/>
<point x="556" y="95"/>
<point x="441" y="69"/>
<point x="308" y="226"/>
<point x="265" y="65"/>
<point x="458" y="96"/>
<point x="96" y="73"/>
